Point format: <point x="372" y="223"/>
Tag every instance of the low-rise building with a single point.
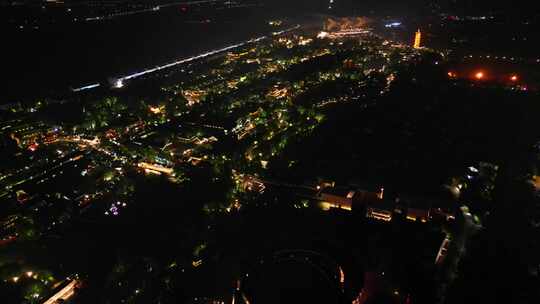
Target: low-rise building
<point x="347" y="199"/>
<point x="383" y="211"/>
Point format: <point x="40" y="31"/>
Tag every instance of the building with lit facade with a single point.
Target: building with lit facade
<point x="347" y="199"/>
<point x="418" y="39"/>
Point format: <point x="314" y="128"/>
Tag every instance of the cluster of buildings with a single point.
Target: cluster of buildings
<point x="28" y="134"/>
<point x="265" y="115"/>
<point x="376" y="206"/>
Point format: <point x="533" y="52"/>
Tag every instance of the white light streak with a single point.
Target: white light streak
<point x="92" y="86"/>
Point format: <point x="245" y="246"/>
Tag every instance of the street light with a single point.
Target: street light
<point x="514" y="78"/>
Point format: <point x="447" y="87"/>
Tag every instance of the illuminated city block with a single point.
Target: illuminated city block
<point x="344" y="24"/>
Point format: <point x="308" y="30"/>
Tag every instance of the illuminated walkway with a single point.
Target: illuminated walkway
<point x="64" y="294"/>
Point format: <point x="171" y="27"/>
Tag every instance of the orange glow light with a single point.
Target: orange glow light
<point x="156" y="110"/>
<point x="514" y="78"/>
<point x="479" y="75"/>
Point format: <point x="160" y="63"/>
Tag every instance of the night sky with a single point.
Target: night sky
<point x="523" y="6"/>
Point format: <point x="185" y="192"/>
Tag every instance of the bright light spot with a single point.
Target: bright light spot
<point x="322" y="35"/>
<point x="156" y="110"/>
<point x="15" y="279"/>
<point x="473" y="169"/>
<point x="393" y="24"/>
<point x="29" y="273"/>
<point x="514" y="78"/>
<point x="119" y="84"/>
<point x="479" y="75"/>
<point x="33" y="147"/>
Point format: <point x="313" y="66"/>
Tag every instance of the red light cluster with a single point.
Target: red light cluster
<point x="481" y="75"/>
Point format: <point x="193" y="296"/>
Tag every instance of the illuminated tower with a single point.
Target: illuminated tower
<point x="417" y="39"/>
